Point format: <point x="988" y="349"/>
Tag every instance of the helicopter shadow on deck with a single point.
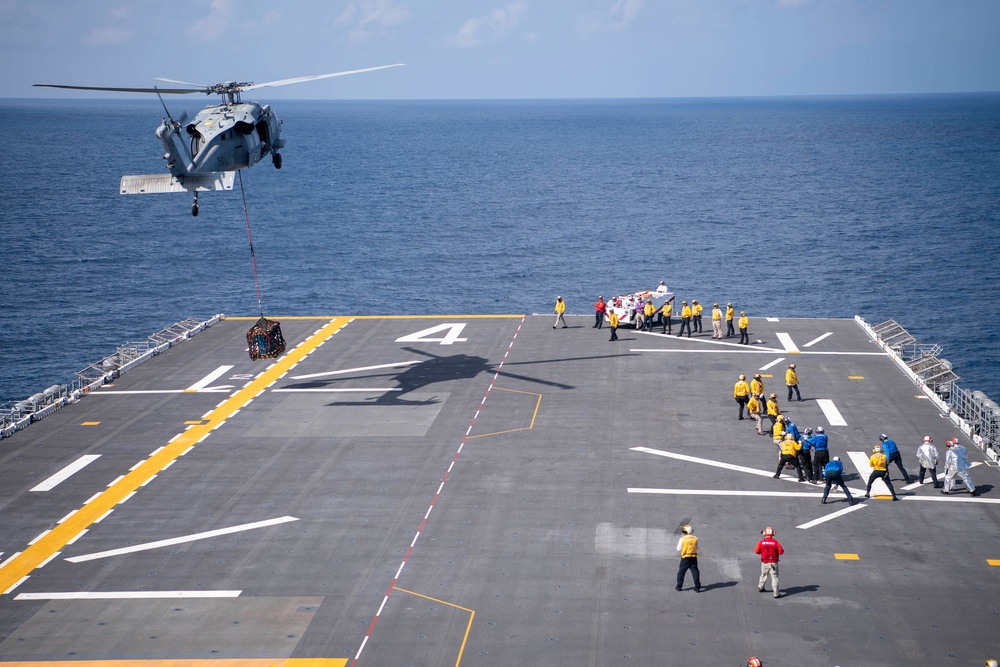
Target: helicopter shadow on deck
<point x="432" y="370"/>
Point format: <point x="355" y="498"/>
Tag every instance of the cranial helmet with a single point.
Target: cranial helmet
<point x="743" y="377"/>
<point x="928" y="438"/>
<point x="883" y="436"/>
<point x="769" y="531"/>
<point x="876" y="449"/>
<point x="819" y="429"/>
<point x="989" y="663"/>
<point x="688" y="530"/>
<point x="755" y="662"/>
<point x="809" y="431"/>
<point x="836" y="458"/>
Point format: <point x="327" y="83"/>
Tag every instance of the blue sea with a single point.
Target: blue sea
<point x="884" y="207"/>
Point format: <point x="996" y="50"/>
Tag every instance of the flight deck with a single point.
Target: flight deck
<point x="486" y="490"/>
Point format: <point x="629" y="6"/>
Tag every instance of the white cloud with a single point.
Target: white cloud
<point x="108" y="35"/>
<point x="365" y="17"/>
<point x="489" y="28"/>
<point x="617" y="17"/>
<point x="215" y="23"/>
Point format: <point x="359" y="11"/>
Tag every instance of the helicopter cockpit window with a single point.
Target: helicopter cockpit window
<point x="195" y="144"/>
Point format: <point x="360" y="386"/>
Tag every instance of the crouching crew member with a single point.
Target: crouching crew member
<point x="834" y="473"/>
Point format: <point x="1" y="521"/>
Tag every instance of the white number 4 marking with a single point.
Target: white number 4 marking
<point x="425" y="336"/>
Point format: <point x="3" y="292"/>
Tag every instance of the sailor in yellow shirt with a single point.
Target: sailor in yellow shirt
<point x="741" y="392"/>
<point x="716" y="321"/>
<point x="773" y="411"/>
<point x="560" y="309"/>
<point x="757" y="385"/>
<point x="648" y="310"/>
<point x="792" y="382"/>
<point x="685" y="319"/>
<point x="730" y="313"/>
<point x="880" y="470"/>
<point x="778" y="432"/>
<point x="744" y="325"/>
<point x="696" y="312"/>
<point x="755" y="409"/>
<point x="613" y="321"/>
<point x="789" y="454"/>
<point x="688" y="546"/>
<point x="665" y="317"/>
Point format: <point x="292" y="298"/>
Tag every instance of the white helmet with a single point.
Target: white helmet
<point x="928" y="438"/>
<point x="836" y="458"/>
<point x="688" y="530"/>
<point x="819" y="429"/>
<point x="768" y="531"/>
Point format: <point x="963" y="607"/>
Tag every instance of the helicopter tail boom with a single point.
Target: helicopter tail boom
<point x="144" y="184"/>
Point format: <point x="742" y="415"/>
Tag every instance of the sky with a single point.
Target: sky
<point x="507" y="49"/>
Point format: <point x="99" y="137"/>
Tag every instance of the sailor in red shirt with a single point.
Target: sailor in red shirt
<point x="769" y="550"/>
<point x="599" y="309"/>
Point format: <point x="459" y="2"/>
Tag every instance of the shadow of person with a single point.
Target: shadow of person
<point x="795" y="590"/>
<point x="718" y="584"/>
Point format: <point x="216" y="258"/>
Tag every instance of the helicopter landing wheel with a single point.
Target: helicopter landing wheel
<point x="194" y="206"/>
<point x="276" y="158"/>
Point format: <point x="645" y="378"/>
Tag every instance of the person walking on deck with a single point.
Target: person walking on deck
<point x="770" y="550"/>
<point x="792" y="382"/>
<point x="755" y="408"/>
<point x="613" y="323"/>
<point x="741" y="392"/>
<point x="789" y="454"/>
<point x="696" y="309"/>
<point x="730" y="313"/>
<point x="559" y="310"/>
<point x="744" y="324"/>
<point x="773" y="411"/>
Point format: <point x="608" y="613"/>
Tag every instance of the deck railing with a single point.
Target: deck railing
<point x="16" y="415"/>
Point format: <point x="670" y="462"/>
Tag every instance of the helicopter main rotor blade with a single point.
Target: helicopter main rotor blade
<point x="183" y="83"/>
<point x="172" y="91"/>
<point x="300" y="79"/>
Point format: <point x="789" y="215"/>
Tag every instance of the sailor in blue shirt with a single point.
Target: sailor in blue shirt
<point x="834" y="473"/>
<point x="805" y="456"/>
<point x="790" y="427"/>
<point x="891" y="452"/>
<point x="821" y="455"/>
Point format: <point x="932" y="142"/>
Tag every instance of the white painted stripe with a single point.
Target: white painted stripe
<point x="860" y="461"/>
<point x="182" y="540"/>
<point x="833" y="415"/>
<point x="67" y="472"/>
<point x="708" y="462"/>
<point x="718" y="492"/>
<point x="67" y="516"/>
<point x="10" y="558"/>
<point x="93" y="497"/>
<point x="116" y="480"/>
<point x="78" y="536"/>
<point x="755" y="350"/>
<point x="831" y="515"/>
<point x="816" y="340"/>
<point x="772" y="319"/>
<point x="47" y="560"/>
<point x="128" y="595"/>
<point x="786" y="340"/>
<point x="359" y="369"/>
<point x="43" y="534"/>
<point x="210" y="378"/>
<point x="21" y="581"/>
<point x="773" y="363"/>
<point x="366" y="390"/>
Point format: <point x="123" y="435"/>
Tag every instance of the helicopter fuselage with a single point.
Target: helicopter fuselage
<point x="222" y="137"/>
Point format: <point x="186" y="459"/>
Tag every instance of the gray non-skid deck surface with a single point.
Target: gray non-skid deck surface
<point x="535" y="551"/>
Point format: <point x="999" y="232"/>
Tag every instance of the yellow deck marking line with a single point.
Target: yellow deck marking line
<point x="388" y="317"/>
<point x="847" y="556"/>
<point x="512" y="430"/>
<point x="994" y="563"/>
<point x="208" y="662"/>
<point x="14" y="571"/>
<point x="90" y="423"/>
<point x="468" y="628"/>
<point x="855" y="377"/>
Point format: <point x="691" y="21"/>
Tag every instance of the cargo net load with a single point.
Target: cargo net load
<point x="264" y="340"/>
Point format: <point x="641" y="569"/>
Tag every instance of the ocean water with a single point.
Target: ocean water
<point x="884" y="207"/>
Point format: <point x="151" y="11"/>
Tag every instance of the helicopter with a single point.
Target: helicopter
<point x="206" y="152"/>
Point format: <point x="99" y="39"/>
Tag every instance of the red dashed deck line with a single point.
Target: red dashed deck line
<point x="420" y="529"/>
